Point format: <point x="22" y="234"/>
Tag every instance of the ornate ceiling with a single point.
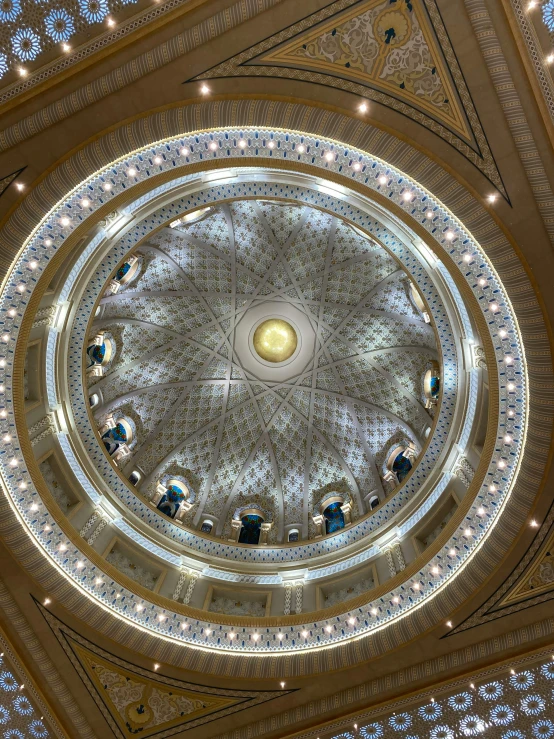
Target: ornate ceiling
<point x="242" y="432"/>
<point x="260" y="258"/>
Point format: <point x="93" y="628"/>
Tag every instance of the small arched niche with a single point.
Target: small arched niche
<point x="250" y="525"/>
<point x="432" y="385"/>
<point x="173" y="497"/>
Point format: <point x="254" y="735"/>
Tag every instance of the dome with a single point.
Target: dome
<point x="243" y="429"/>
<point x="276" y="378"/>
<point x="338" y="491"/>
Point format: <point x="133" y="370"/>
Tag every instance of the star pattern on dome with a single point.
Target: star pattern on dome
<point x="238" y="438"/>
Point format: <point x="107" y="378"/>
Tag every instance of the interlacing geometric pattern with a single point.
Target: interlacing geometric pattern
<point x="18" y="717"/>
<point x="240" y="439"/>
<point x="408" y="196"/>
<point x="515" y="704"/>
<point x="27" y="28"/>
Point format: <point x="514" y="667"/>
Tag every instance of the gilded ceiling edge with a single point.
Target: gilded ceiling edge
<point x="90" y="53"/>
<point x="248" y="698"/>
<point x="514" y="112"/>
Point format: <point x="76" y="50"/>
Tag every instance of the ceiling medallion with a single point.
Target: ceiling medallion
<point x="275" y="340"/>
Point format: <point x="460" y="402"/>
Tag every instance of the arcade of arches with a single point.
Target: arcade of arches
<point x="276" y="378"/>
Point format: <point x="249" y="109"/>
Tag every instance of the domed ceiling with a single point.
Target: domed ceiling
<point x="244" y="427"/>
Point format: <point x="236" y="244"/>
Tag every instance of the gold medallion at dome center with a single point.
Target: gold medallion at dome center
<point x="275" y="340"/>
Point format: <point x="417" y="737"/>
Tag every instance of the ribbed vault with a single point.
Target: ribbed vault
<point x="239" y="433"/>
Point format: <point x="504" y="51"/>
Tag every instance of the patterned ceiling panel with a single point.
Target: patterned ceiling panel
<point x="204" y="407"/>
<point x="135" y="701"/>
<point x="511" y="701"/>
<point x="396" y="53"/>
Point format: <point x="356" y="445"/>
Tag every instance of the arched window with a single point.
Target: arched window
<point x="120" y="434"/>
<point x="419" y="302"/>
<point x="294" y="535"/>
<point x="127" y="271"/>
<point x="400" y="462"/>
<point x="134" y="477"/>
<point x="176" y="493"/>
<point x="334" y="517"/>
<point x="94" y="400"/>
<point x="431" y="385"/>
<point x="192" y="217"/>
<point x="251" y="528"/>
<point x="207" y="527"/>
<point x="99" y="351"/>
<point x="373" y="502"/>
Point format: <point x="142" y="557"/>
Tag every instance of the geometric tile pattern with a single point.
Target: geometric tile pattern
<point x="278" y="447"/>
<point x="498" y="316"/>
<point x="512" y="701"/>
<point x="18" y="716"/>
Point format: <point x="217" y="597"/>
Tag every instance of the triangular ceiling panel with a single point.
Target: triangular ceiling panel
<point x="138" y="702"/>
<point x="396" y="52"/>
<point x="6" y="181"/>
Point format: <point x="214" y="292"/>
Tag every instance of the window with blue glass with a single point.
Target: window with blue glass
<point x="113" y="438"/>
<point x="97" y="353"/>
<point x="207" y="527"/>
<point x="171" y="500"/>
<point x="401" y="466"/>
<point x="435" y="384"/>
<point x="334" y="518"/>
<point x="251" y="529"/>
<point x="122" y="271"/>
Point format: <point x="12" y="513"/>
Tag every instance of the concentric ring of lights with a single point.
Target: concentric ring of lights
<point x="498" y="481"/>
<point x="360" y="531"/>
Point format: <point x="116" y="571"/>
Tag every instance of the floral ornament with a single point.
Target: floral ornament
<point x="532" y="705"/>
<point x="38" y="729"/>
<point x="373" y="731"/>
<point x="8" y="682"/>
<point x="94" y="10"/>
<point x="9" y="10"/>
<point x="22" y="705"/>
<point x="13" y="734"/>
<point x="400" y="721"/>
<point x="513" y="734"/>
<point x="502" y="715"/>
<point x="548" y="14"/>
<point x="491" y="691"/>
<point x="441" y="732"/>
<point x="430" y="712"/>
<point x="25" y="44"/>
<point x="543" y="729"/>
<point x="522" y="680"/>
<point x="548" y="670"/>
<point x="59" y="24"/>
<point x="4" y="715"/>
<point x="460" y="702"/>
<point x="344" y="735"/>
<point x="472" y="725"/>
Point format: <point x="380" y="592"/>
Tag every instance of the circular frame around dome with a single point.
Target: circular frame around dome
<point x="516" y="359"/>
